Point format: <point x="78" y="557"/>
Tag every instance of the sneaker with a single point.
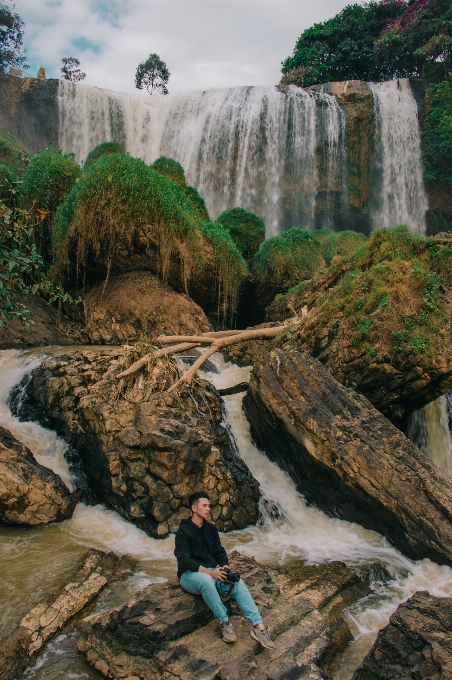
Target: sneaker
<point x="227" y="632"/>
<point x="262" y="637"/>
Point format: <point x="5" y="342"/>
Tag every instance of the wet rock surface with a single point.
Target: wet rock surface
<point x="19" y="649"/>
<point x="166" y="633"/>
<point x="417" y="643"/>
<point x="30" y="494"/>
<point x="346" y="458"/>
<point x="143" y="450"/>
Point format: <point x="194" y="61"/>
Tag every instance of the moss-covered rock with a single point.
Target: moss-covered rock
<point x="172" y="169"/>
<point x="247" y="230"/>
<point x="103" y="150"/>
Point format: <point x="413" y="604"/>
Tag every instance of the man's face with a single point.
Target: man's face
<point x="201" y="508"/>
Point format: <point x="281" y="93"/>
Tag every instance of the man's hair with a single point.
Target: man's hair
<point x="195" y="497"/>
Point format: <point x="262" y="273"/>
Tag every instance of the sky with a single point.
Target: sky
<point x="205" y="43"/>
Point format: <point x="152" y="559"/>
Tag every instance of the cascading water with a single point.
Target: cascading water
<point x="429" y="430"/>
<point x="399" y="197"/>
<point x="33" y="563"/>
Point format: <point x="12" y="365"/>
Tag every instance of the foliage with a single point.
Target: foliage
<point x="342" y="48"/>
<point x="247" y="230"/>
<point x="172" y="169"/>
<point x="421" y="34"/>
<point x="21" y="266"/>
<point x="102" y="150"/>
<point x="13" y="153"/>
<point x="11" y="39"/>
<point x="8" y="180"/>
<point x="437" y="132"/>
<point x="71" y="70"/>
<point x="350" y="242"/>
<point x="287" y="259"/>
<point x="50" y="176"/>
<point x="198" y="202"/>
<point x="153" y="75"/>
<point x="328" y="241"/>
<point x="230" y="267"/>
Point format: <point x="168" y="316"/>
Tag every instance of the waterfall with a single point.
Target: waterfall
<point x="282" y="156"/>
<point x="429" y="430"/>
<point x="400" y="196"/>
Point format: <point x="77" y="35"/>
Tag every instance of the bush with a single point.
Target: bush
<point x="328" y="241"/>
<point x="172" y="169"/>
<point x="230" y="268"/>
<point x="287" y="259"/>
<point x="8" y="181"/>
<point x="198" y="202"/>
<point x="247" y="230"/>
<point x="350" y="242"/>
<point x="13" y="153"/>
<point x="437" y="132"/>
<point x="50" y="176"/>
<point x="102" y="150"/>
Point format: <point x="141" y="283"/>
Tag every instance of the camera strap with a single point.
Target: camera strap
<point x="224" y="594"/>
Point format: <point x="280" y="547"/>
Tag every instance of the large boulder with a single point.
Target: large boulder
<point x="144" y="450"/>
<point x="166" y="633"/>
<point x="346" y="458"/>
<point x="417" y="643"/>
<point x="30" y="494"/>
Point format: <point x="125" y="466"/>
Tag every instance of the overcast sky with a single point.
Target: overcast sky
<point x="205" y="43"/>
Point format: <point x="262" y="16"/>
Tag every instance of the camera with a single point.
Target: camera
<point x="231" y="575"/>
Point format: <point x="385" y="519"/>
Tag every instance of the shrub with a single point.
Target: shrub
<point x="8" y="181"/>
<point x="230" y="268"/>
<point x="437" y="132"/>
<point x="350" y="242"/>
<point x="172" y="169"/>
<point x="247" y="230"/>
<point x="13" y="153"/>
<point x="328" y="242"/>
<point x="287" y="259"/>
<point x="50" y="176"/>
<point x="198" y="202"/>
<point x="102" y="150"/>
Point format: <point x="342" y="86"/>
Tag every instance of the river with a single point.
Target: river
<point x="34" y="562"/>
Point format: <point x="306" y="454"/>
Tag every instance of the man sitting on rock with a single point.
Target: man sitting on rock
<point x="200" y="568"/>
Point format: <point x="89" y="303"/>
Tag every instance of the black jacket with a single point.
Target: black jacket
<point x="197" y="546"/>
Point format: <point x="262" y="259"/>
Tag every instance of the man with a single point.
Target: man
<point x="200" y="561"/>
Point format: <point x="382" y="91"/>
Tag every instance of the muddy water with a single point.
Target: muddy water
<point x="33" y="562"/>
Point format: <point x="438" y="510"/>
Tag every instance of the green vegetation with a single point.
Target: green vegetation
<point x="153" y="75"/>
<point x="11" y="39"/>
<point x="198" y="202"/>
<point x="102" y="150"/>
<point x="172" y="169"/>
<point x="8" y="181"/>
<point x="437" y="132"/>
<point x="49" y="177"/>
<point x="230" y="267"/>
<point x="349" y="243"/>
<point x="13" y="153"/>
<point x="247" y="230"/>
<point x="71" y="70"/>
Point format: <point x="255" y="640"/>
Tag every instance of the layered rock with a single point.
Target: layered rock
<point x="417" y="643"/>
<point x="137" y="304"/>
<point x="19" y="649"/>
<point x="145" y="451"/>
<point x="166" y="633"/>
<point x="30" y="494"/>
<point x="347" y="458"/>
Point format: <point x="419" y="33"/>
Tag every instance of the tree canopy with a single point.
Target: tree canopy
<point x="11" y="39"/>
<point x="71" y="70"/>
<point x="153" y="75"/>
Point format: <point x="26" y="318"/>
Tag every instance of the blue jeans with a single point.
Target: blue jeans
<point x="197" y="583"/>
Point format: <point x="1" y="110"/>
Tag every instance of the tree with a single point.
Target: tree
<point x="153" y="75"/>
<point x="71" y="70"/>
<point x="11" y="39"/>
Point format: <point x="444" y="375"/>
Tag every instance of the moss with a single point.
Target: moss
<point x="172" y="169"/>
<point x="13" y="153"/>
<point x="198" y="202"/>
<point x="102" y="150"/>
<point x="247" y="230"/>
<point x="350" y="242"/>
<point x="8" y="179"/>
<point x="328" y="241"/>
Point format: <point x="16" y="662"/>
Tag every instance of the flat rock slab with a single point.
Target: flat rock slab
<point x="417" y="643"/>
<point x="30" y="494"/>
<point x="346" y="458"/>
<point x="168" y="634"/>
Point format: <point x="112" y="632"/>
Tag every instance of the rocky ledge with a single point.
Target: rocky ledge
<point x="347" y="458"/>
<point x="417" y="643"/>
<point x="30" y="494"/>
<point x="143" y="450"/>
<point x="166" y="633"/>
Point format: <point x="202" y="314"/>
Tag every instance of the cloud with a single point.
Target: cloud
<point x="205" y="43"/>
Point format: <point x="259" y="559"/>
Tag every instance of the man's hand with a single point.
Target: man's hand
<point x="217" y="573"/>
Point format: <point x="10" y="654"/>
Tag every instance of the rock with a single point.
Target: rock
<point x="19" y="649"/>
<point x="346" y="458"/>
<point x="417" y="643"/>
<point x="166" y="633"/>
<point x="30" y="495"/>
<point x="143" y="450"/>
<point x="136" y="304"/>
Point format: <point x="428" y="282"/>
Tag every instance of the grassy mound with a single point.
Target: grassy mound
<point x="102" y="150"/>
<point x="247" y="230"/>
<point x="13" y="153"/>
<point x="172" y="169"/>
<point x="198" y="202"/>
